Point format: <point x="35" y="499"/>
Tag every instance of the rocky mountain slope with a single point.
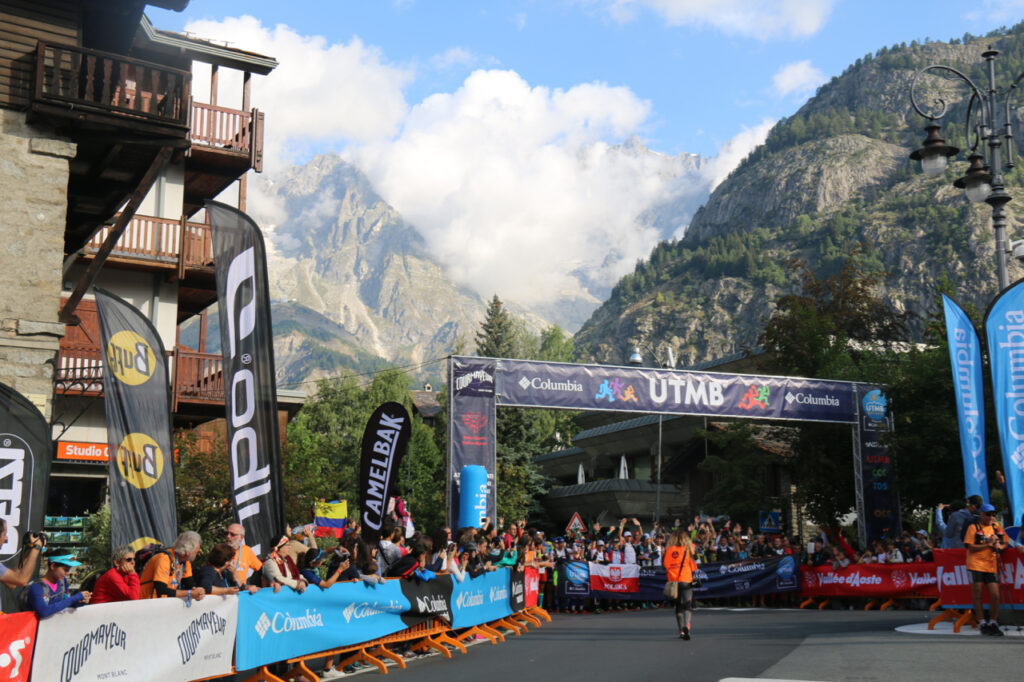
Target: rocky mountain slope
<point x="833" y="178"/>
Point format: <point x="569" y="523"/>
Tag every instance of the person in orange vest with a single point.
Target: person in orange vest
<point x="680" y="567"/>
<point x="984" y="541"/>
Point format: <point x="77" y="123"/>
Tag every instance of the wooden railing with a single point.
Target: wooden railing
<point x="161" y="239"/>
<point x="221" y="127"/>
<point x="197" y="377"/>
<point x="92" y="80"/>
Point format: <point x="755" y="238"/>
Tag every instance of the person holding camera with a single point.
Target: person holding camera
<point x="32" y="546"/>
<point x="984" y="540"/>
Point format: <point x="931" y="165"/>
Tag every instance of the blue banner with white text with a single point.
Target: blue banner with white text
<point x="965" y="358"/>
<point x="481" y="599"/>
<point x="600" y="387"/>
<point x="278" y="626"/>
<point x="1004" y="329"/>
<point x="764" y="575"/>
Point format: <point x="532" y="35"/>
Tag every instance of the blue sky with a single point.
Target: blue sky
<point x="496" y="127"/>
<point x="704" y="82"/>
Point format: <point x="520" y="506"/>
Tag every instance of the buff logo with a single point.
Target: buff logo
<point x="12" y="471"/>
<point x="130" y="359"/>
<point x="105" y="637"/>
<point x="140" y="460"/>
<point x="207" y="624"/>
<point x="375" y="496"/>
<point x="466" y="600"/>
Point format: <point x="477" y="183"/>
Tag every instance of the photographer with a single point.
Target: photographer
<point x="984" y="540"/>
<point x="32" y="546"/>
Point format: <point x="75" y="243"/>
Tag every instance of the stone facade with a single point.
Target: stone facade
<point x="33" y="182"/>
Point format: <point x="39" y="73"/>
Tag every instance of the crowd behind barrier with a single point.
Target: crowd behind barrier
<point x="478" y="583"/>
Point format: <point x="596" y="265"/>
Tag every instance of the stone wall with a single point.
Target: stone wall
<point x="33" y="182"/>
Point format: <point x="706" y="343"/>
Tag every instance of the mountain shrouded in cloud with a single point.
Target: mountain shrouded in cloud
<point x="516" y="189"/>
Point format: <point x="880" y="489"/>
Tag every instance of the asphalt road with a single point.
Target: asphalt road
<point x="832" y="646"/>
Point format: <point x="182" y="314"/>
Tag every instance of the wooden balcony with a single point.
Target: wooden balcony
<point x="226" y="143"/>
<point x="85" y="84"/>
<point x="197" y="380"/>
<point x="160" y="243"/>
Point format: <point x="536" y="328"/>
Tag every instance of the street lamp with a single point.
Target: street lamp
<point x="984" y="178"/>
<point x="636" y="358"/>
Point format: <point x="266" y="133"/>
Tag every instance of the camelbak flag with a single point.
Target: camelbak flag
<point x="1004" y="329"/>
<point x="965" y="358"/>
<point x="25" y="454"/>
<point x="384" y="443"/>
<point x="254" y="445"/>
<point x="138" y="402"/>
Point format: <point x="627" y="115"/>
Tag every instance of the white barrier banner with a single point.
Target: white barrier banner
<point x="150" y="639"/>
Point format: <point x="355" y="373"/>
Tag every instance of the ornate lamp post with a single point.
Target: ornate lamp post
<point x="983" y="180"/>
<point x="637" y="359"/>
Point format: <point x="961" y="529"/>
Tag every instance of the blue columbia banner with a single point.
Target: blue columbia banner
<point x="599" y="387"/>
<point x="481" y="599"/>
<point x="275" y="627"/>
<point x="1004" y="329"/>
<point x="965" y="358"/>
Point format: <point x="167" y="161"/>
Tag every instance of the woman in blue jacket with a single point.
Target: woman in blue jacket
<point x="52" y="593"/>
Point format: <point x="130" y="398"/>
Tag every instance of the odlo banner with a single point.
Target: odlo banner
<point x="385" y="441"/>
<point x="254" y="444"/>
<point x="472" y="431"/>
<point x="138" y="404"/>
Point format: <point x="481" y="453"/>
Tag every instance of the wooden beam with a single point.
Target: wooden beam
<point x="67" y="313"/>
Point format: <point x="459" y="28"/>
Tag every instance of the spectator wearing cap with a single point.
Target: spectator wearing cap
<point x="52" y="593"/>
<point x="121" y="582"/>
<point x="984" y="541"/>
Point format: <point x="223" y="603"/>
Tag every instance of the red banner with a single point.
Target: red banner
<point x="532" y="586"/>
<point x="17" y="640"/>
<point x="614" y="577"/>
<point x="870" y="580"/>
<point x="955" y="581"/>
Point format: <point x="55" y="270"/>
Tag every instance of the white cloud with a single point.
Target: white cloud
<point x="761" y="19"/>
<point x="734" y="151"/>
<point x="453" y="56"/>
<point x="517" y="189"/>
<point x="514" y="187"/>
<point x="321" y="94"/>
<point x="995" y="11"/>
<point x="799" y="77"/>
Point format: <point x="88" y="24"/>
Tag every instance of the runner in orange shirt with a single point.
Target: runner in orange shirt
<point x="679" y="568"/>
<point x="984" y="541"/>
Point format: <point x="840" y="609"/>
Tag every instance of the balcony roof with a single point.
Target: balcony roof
<point x="206" y="51"/>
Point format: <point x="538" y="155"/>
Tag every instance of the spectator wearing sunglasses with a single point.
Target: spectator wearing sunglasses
<point x="120" y="583"/>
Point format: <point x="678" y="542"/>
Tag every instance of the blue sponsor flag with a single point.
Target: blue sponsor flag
<point x="965" y="358"/>
<point x="1004" y="329"/>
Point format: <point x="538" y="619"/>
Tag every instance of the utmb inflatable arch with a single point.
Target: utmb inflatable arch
<point x="478" y="385"/>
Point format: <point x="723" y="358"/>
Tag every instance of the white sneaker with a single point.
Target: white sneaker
<point x="331" y="674"/>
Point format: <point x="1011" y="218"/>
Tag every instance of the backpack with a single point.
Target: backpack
<point x="143" y="556"/>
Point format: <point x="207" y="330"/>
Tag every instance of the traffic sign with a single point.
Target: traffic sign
<point x="575" y="524"/>
<point x="769" y="522"/>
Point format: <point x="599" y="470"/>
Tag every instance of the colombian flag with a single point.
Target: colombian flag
<point x="331" y="519"/>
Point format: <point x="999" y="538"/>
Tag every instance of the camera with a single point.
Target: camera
<point x="451" y="546"/>
<point x="32" y="536"/>
<point x="979" y="539"/>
